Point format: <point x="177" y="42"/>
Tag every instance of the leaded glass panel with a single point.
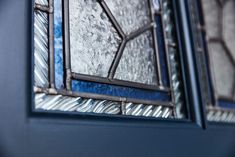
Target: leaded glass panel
<point x="93" y="39"/>
<point x="217" y="27"/>
<point x="220" y="26"/>
<point x="110" y="57"/>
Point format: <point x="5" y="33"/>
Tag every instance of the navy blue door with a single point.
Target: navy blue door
<point x="23" y="134"/>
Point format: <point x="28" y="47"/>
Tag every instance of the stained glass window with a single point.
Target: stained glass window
<point x="109" y="57"/>
<point x="219" y="30"/>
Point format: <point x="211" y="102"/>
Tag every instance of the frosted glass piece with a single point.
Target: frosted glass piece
<point x="138" y="61"/>
<point x="211" y="17"/>
<point x="130" y="14"/>
<point x="222" y="69"/>
<point x="229" y="26"/>
<point x="93" y="39"/>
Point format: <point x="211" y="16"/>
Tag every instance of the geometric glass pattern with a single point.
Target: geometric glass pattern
<point x="93" y="39"/>
<point x="220" y="29"/>
<point x="107" y="57"/>
<point x="98" y="42"/>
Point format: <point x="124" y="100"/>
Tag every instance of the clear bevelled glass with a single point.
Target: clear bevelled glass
<point x="40" y="49"/>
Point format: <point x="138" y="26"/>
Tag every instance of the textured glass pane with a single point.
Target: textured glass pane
<point x="93" y="39"/>
<point x="40" y="49"/>
<point x="174" y="59"/>
<point x="58" y="44"/>
<point x="130" y="14"/>
<point x="220" y="27"/>
<point x="119" y="91"/>
<point x="138" y="61"/>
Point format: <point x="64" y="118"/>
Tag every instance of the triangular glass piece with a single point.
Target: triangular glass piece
<point x="138" y="61"/>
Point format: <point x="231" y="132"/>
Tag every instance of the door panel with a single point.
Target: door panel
<point x="23" y="134"/>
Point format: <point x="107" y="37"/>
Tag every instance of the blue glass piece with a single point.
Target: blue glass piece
<point x="58" y="44"/>
<point x="119" y="91"/>
<point x="162" y="51"/>
<point x="226" y="104"/>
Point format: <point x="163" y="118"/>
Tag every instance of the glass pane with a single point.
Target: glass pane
<point x="130" y="14"/>
<point x="93" y="39"/>
<point x="138" y="61"/>
<point x="58" y="45"/>
<point x="41" y="49"/>
<point x="119" y="91"/>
